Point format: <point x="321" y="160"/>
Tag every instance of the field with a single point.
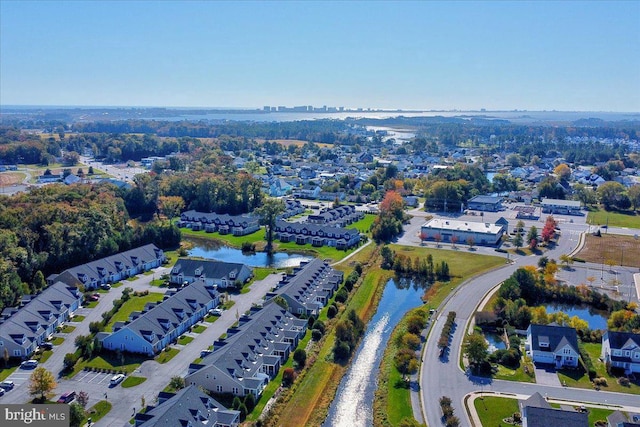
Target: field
<point x="620" y="250"/>
<point x="133" y="304"/>
<point x="627" y="219"/>
<point x="492" y="410"/>
<point x="8" y="179"/>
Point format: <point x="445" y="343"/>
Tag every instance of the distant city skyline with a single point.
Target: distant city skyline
<point x="461" y="55"/>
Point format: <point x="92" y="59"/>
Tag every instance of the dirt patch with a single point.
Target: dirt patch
<point x="611" y="249"/>
<point x="7" y="179"/>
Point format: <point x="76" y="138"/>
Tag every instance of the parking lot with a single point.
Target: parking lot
<point x="20" y="376"/>
<point x="89" y="377"/>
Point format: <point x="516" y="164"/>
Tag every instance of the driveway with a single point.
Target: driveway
<point x="546" y="375"/>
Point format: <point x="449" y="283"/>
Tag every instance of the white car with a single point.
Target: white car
<point x="116" y="379"/>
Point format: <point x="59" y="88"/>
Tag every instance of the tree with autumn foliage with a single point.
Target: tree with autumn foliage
<point x="549" y="230"/>
<point x="562" y="171"/>
<point x="388" y="224"/>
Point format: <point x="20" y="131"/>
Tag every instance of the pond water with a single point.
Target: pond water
<point x="490" y="176"/>
<point x="212" y="250"/>
<point x="352" y="406"/>
<point x="595" y="319"/>
<point x="495" y="342"/>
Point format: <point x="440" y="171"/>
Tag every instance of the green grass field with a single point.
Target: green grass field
<point x="133" y="304"/>
<point x="492" y="410"/>
<point x="184" y="340"/>
<point x="132" y="381"/>
<point x="627" y="219"/>
<point x="198" y="329"/>
<point x="167" y="354"/>
<point x="97" y="411"/>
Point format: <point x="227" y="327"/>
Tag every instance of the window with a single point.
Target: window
<point x="219" y="388"/>
<point x="17" y="353"/>
<point x="235" y="390"/>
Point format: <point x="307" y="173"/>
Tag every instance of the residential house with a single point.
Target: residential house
<point x="292" y="208"/>
<point x="218" y="273"/>
<point x="187" y="407"/>
<point x="621" y="350"/>
<point x="485" y="203"/>
<point x="340" y="216"/>
<point x="553" y="345"/>
<point x="160" y="324"/>
<point x="238" y="225"/>
<point x="116" y="267"/>
<point x="279" y="188"/>
<point x="309" y="287"/>
<point x="620" y="419"/>
<point x="252" y="353"/>
<point x="448" y="230"/>
<point x="537" y="412"/>
<point x="24" y="328"/>
<point x="316" y="235"/>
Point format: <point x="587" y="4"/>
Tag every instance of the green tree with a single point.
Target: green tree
<point x="76" y="415"/>
<point x="177" y="383"/>
<point x="533" y="234"/>
<point x="300" y="357"/>
<point x="475" y="348"/>
<point x="610" y="193"/>
<point x="268" y="213"/>
<point x="517" y="240"/>
<point x="634" y="196"/>
<point x="41" y="382"/>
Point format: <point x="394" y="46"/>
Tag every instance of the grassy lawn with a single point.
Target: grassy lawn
<point x="259" y="273"/>
<point x="78" y="318"/>
<point x="184" y="340"/>
<point x="133" y="304"/>
<point x="109" y="361"/>
<point x="167" y="355"/>
<point x="198" y="329"/>
<point x="492" y="410"/>
<point x="323" y="252"/>
<point x="211" y="318"/>
<point x="132" y="381"/>
<point x="594" y="351"/>
<point x="597" y="414"/>
<point x="57" y="341"/>
<point x="620" y="250"/>
<point x="505" y="373"/>
<point x="6" y="371"/>
<point x="90" y="304"/>
<point x="228" y="239"/>
<point x="117" y="285"/>
<point x="364" y="225"/>
<point x="99" y="410"/>
<point x="574" y="378"/>
<point x="66" y="329"/>
<point x="628" y="219"/>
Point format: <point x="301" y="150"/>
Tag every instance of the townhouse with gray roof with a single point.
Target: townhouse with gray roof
<point x="218" y="273"/>
<point x="238" y="225"/>
<point x="188" y="407"/>
<point x="159" y="324"/>
<point x="24" y="328"/>
<point x="537" y="412"/>
<point x="340" y="216"/>
<point x="316" y="235"/>
<point x="309" y="287"/>
<point x="116" y="267"/>
<point x="252" y="353"/>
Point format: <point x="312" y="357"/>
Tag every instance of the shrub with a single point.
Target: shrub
<point x="624" y="381"/>
<point x="332" y="311"/>
<point x="288" y="376"/>
<point x="601" y="382"/>
<point x="300" y="357"/>
<point x="341" y="295"/>
<point x="316" y="335"/>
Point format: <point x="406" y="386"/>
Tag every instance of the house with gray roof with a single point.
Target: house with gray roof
<point x="218" y="273"/>
<point x="340" y="216"/>
<point x="251" y="354"/>
<point x="622" y="350"/>
<point x="537" y="412"/>
<point x="159" y="324"/>
<point x="316" y="235"/>
<point x="187" y="407"/>
<point x="485" y="203"/>
<point x="238" y="225"/>
<point x="116" y="267"/>
<point x="553" y="345"/>
<point x="24" y="328"/>
<point x="309" y="287"/>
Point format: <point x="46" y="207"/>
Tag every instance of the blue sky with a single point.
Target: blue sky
<point x="569" y="55"/>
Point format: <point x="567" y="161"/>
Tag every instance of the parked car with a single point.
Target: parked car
<point x="105" y="286"/>
<point x="67" y="397"/>
<point x="47" y="346"/>
<point x="116" y="379"/>
<point x="1" y="392"/>
<point x="29" y="364"/>
<point x="7" y="385"/>
<point x="216" y="311"/>
<point x="94" y="297"/>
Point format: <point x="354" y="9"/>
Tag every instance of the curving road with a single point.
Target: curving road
<point x="446" y="378"/>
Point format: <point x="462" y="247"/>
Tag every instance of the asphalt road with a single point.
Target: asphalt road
<point x="446" y="378"/>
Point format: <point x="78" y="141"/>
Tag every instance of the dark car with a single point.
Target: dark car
<point x="47" y="346"/>
<point x="67" y="397"/>
<point x="7" y="385"/>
